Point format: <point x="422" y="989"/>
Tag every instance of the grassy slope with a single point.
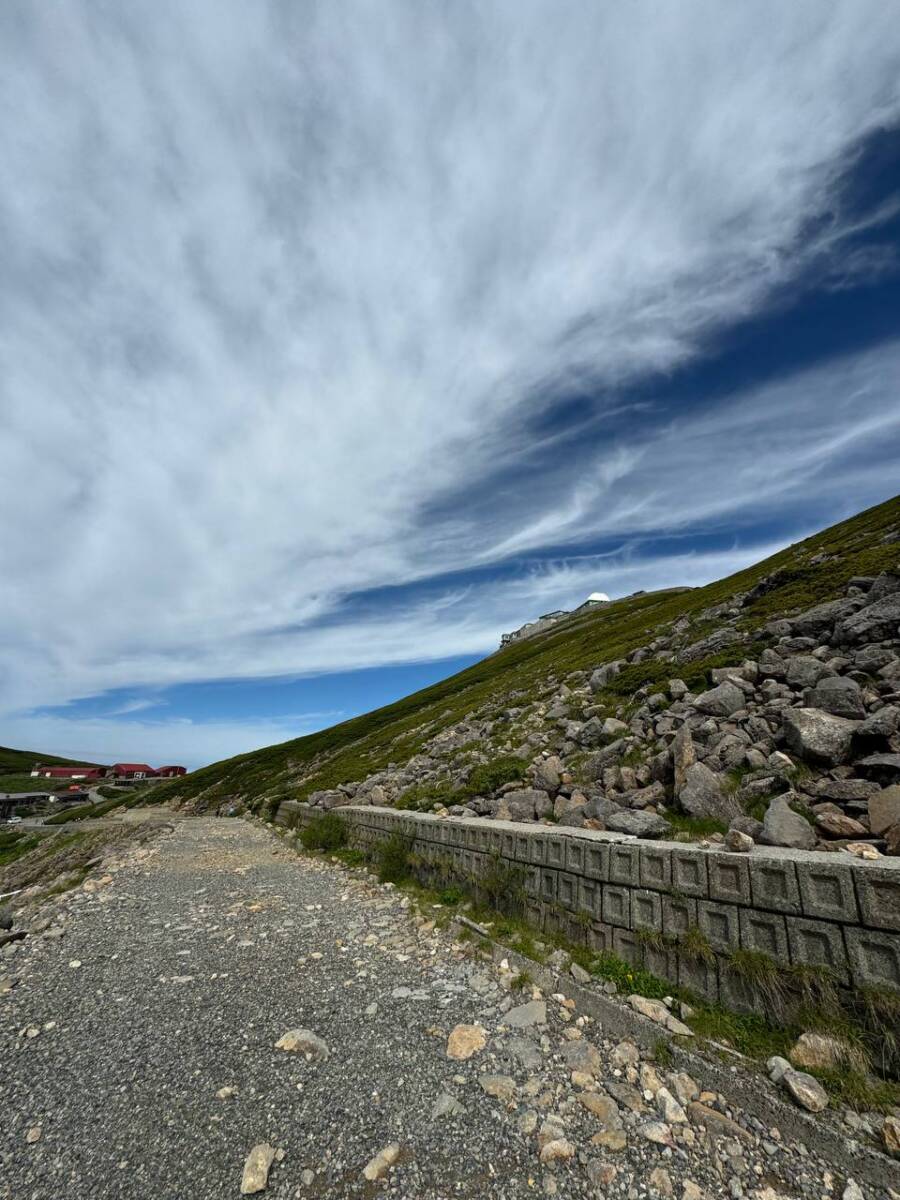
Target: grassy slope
<point x="355" y="748"/>
<point x="20" y="762"/>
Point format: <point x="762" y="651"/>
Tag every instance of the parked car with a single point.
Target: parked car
<point x="14" y="820"/>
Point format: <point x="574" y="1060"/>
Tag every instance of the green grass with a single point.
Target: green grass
<point x="695" y="827"/>
<point x="14" y="845"/>
<point x="325" y="832"/>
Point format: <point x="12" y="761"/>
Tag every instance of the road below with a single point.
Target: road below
<point x="138" y="1031"/>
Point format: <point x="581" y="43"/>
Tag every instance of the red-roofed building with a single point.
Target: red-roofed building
<point x="170" y="772"/>
<point x="43" y="772"/>
<point x="132" y="771"/>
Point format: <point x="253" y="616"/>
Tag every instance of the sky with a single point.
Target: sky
<point x="338" y="339"/>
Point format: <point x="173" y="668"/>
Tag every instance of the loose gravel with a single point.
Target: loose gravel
<point x="138" y="1050"/>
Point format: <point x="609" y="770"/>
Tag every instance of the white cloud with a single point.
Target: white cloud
<point x="279" y="279"/>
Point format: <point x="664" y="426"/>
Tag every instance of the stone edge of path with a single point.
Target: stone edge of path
<point x="868" y="1166"/>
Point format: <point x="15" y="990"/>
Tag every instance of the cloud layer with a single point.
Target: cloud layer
<point x="283" y="281"/>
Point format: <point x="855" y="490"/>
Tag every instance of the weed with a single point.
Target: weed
<point x="765" y="979"/>
<point x="662" y="1054"/>
<point x="393" y="859"/>
<point x="694" y="944"/>
<point x="695" y="827"/>
<point x="325" y="832"/>
<point x="520" y="981"/>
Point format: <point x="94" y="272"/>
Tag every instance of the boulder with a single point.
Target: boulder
<point x="819" y="620"/>
<point x="839" y="825"/>
<point x="818" y="736"/>
<point x="638" y="822"/>
<point x="875" y="622"/>
<point x="613" y="728"/>
<point x="883" y="768"/>
<point x="747" y="825"/>
<point x="702" y="794"/>
<point x="683" y="756"/>
<point x="880" y="726"/>
<point x="884" y="809"/>
<point x="601" y="677"/>
<point x="591" y="732"/>
<point x="806" y="1090"/>
<point x="837" y="695"/>
<point x="784" y="827"/>
<point x="721" y="701"/>
<point x="526" y="804"/>
<point x="547" y="772"/>
<point x="821" y="1052"/>
<point x="804" y="671"/>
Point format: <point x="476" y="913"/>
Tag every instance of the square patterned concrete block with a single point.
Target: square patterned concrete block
<point x="679" y="913"/>
<point x="534" y="914"/>
<point x="826" y="888"/>
<point x="689" y="874"/>
<point x="661" y="962"/>
<point x="623" y="864"/>
<point x="720" y="923"/>
<point x="508" y="844"/>
<point x="646" y="909"/>
<point x="548" y="886"/>
<point x="698" y="976"/>
<point x="617" y="906"/>
<point x="529" y="848"/>
<point x="765" y="932"/>
<point x="532" y="882"/>
<point x="567" y="890"/>
<point x="878" y="892"/>
<point x="590" y="896"/>
<point x="626" y="946"/>
<point x="496" y="842"/>
<point x="773" y="884"/>
<point x="555" y="850"/>
<point x="599" y="937"/>
<point x="735" y="994"/>
<point x="596" y="860"/>
<point x="655" y="867"/>
<point x="729" y="878"/>
<point x="817" y="944"/>
<point x="874" y="957"/>
<point x="575" y="855"/>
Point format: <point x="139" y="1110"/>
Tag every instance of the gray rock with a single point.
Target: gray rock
<point x="819" y="620"/>
<point x="721" y="701"/>
<point x="884" y="809"/>
<point x="601" y="677"/>
<point x="880" y="725"/>
<point x="747" y="825"/>
<point x="547" y="773"/>
<point x="818" y="736"/>
<point x="683" y="757"/>
<point x="784" y="827"/>
<point x="875" y="623"/>
<point x="527" y="804"/>
<point x="839" y="696"/>
<point x="446" y="1106"/>
<point x="525" y="1015"/>
<point x="806" y="1090"/>
<point x="702" y="794"/>
<point x="638" y="822"/>
<point x="737" y="842"/>
<point x="804" y="671"/>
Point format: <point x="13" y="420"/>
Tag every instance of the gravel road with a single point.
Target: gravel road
<point x="174" y="973"/>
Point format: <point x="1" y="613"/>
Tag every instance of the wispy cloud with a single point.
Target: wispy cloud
<point x="280" y="279"/>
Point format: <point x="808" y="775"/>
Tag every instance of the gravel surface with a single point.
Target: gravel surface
<point x="174" y="972"/>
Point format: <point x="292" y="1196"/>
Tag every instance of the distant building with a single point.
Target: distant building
<point x="170" y="772"/>
<point x="40" y="771"/>
<point x="131" y="771"/>
<point x="549" y="619"/>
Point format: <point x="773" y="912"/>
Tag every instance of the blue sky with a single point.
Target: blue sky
<point x="337" y="340"/>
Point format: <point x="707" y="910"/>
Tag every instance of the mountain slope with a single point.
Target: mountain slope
<point x="20" y="762"/>
<point x="707" y="630"/>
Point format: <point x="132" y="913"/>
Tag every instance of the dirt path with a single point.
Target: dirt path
<point x="152" y="992"/>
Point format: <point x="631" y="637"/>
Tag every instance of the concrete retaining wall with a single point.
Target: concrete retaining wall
<point x="603" y="889"/>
